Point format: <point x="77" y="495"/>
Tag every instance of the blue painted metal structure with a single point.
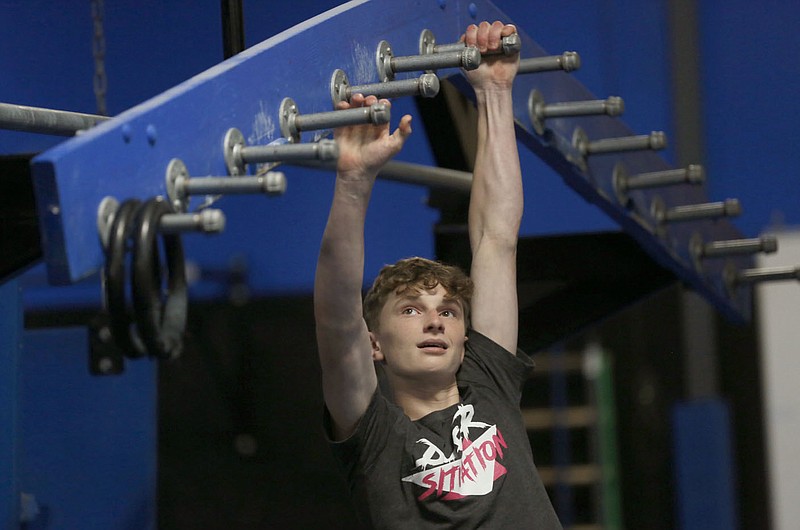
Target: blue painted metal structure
<point x="87" y="445"/>
<point x="704" y="466"/>
<point x="128" y="156"/>
<point x="10" y="341"/>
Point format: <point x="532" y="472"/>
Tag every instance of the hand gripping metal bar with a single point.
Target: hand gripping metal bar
<point x="567" y="61"/>
<point x="426" y="86"/>
<point x="292" y="123"/>
<point x="468" y="58"/>
<point x="180" y="186"/>
<point x="623" y="183"/>
<point x="45" y="121"/>
<point x="539" y="111"/>
<point x="161" y="321"/>
<point x="238" y="155"/>
<point x="510" y="45"/>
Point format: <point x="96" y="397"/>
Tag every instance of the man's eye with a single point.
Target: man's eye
<point x="448" y="313"/>
<point x="409" y="311"/>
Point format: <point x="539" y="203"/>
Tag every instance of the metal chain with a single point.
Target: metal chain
<point x="99" y="52"/>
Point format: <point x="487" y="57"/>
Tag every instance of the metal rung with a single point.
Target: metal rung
<point x="410" y="173"/>
<point x="45" y="121"/>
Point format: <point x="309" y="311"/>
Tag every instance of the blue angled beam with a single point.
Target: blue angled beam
<point x="127" y="156"/>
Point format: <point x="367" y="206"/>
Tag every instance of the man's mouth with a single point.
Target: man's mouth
<point x="432" y="344"/>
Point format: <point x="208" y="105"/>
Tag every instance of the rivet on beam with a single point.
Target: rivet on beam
<point x="426" y="86"/>
<point x="238" y="155"/>
<point x="623" y="183"/>
<point x="539" y="111"/>
<point x="293" y="123"/>
<point x="469" y="58"/>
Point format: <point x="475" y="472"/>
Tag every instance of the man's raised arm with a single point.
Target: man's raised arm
<point x="348" y="374"/>
<point x="495" y="209"/>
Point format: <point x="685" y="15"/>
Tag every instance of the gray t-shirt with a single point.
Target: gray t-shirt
<point x="466" y="466"/>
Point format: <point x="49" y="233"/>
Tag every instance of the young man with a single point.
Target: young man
<point x="448" y="448"/>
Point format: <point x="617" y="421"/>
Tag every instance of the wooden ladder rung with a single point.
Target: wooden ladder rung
<point x="539" y="419"/>
<point x="580" y="475"/>
<point x="571" y="362"/>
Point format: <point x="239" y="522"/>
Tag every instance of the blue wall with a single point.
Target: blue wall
<point x="750" y="78"/>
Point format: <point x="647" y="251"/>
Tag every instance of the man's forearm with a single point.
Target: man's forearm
<point x="340" y="267"/>
<point x="495" y="209"/>
<point x="496" y="201"/>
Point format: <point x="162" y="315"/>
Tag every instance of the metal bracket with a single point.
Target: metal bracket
<point x="339" y="87"/>
<point x="383" y="59"/>
<point x="231" y="148"/>
<point x="287" y="114"/>
<point x="176" y="175"/>
<point x="427" y="42"/>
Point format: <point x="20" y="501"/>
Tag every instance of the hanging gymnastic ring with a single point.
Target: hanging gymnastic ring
<point x="115" y="280"/>
<point x="161" y="320"/>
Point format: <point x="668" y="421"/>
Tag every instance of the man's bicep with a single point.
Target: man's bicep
<point x="494" y="301"/>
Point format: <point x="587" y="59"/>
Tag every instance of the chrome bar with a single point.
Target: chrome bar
<point x="568" y="61"/>
<point x="45" y="121"/>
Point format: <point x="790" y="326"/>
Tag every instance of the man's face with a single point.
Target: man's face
<point x="421" y="335"/>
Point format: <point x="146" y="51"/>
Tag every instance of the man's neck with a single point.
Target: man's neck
<point x="418" y="401"/>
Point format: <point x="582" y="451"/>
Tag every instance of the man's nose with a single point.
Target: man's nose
<point x="434" y="322"/>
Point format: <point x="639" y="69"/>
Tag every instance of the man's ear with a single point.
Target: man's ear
<point x="377" y="354"/>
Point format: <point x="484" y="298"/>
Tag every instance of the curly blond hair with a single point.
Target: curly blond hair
<point x="416" y="274"/>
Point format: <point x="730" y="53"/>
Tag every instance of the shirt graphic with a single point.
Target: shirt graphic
<point x="471" y="469"/>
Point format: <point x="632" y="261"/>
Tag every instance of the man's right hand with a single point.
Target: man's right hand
<point x="495" y="71"/>
<point x="364" y="149"/>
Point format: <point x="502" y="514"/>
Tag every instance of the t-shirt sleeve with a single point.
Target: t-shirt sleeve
<point x="489" y="364"/>
<point x="359" y="450"/>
